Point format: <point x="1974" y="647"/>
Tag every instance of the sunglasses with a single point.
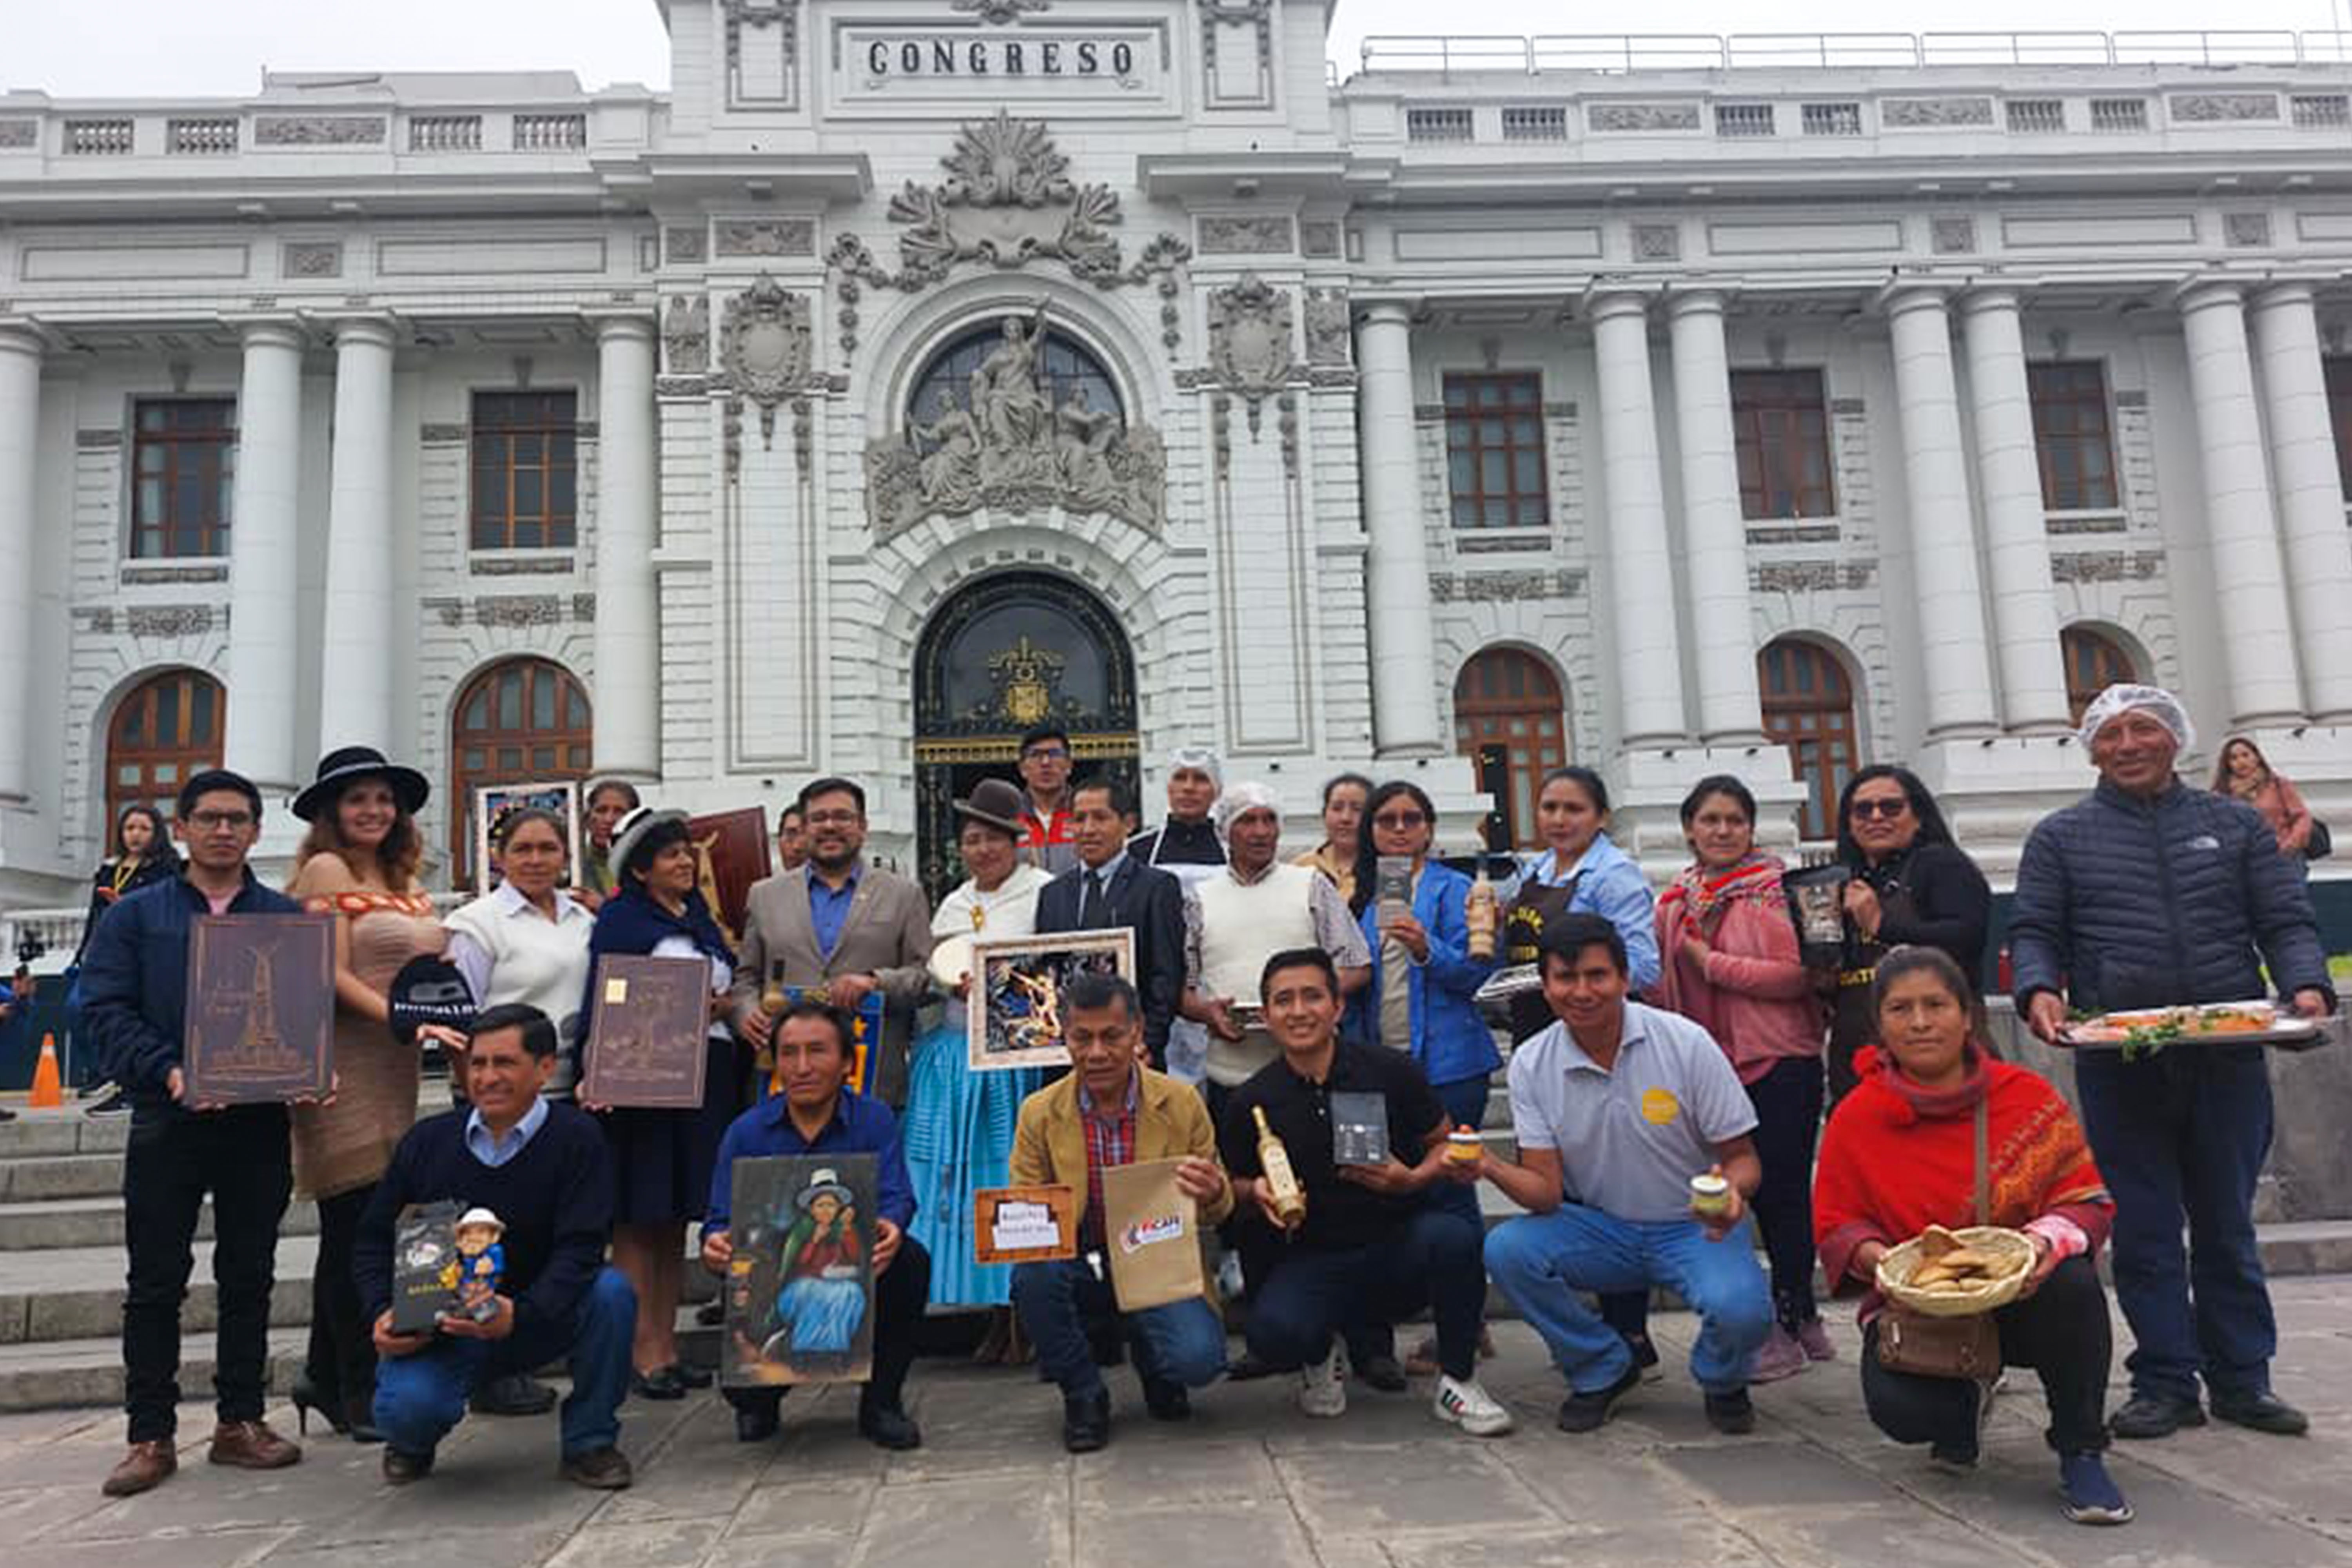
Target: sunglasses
<point x="1393" y="821"/>
<point x="1862" y="810"/>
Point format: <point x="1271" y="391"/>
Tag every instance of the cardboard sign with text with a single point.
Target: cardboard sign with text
<point x="1025" y="1225"/>
<point x="1151" y="1231"/>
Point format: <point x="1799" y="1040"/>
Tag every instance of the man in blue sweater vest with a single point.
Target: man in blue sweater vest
<point x="542" y="1167"/>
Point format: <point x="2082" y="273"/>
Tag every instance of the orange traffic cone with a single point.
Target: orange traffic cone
<point x="49" y="1089"/>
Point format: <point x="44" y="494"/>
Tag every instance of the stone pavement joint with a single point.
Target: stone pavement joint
<point x="1247" y="1481"/>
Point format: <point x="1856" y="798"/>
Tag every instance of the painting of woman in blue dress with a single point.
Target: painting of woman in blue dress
<point x="821" y="1302"/>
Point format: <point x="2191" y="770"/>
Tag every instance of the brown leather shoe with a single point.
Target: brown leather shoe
<point x="145" y="1467"/>
<point x="252" y="1445"/>
<point x="606" y="1469"/>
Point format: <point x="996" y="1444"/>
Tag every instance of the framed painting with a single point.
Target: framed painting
<point x="800" y="1289"/>
<point x="493" y="803"/>
<point x="1016" y="1018"/>
<point x="261" y="1009"/>
<point x="731" y="852"/>
<point x="646" y="1037"/>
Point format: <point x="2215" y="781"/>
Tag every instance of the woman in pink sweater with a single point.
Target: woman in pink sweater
<point x="2246" y="773"/>
<point x="1728" y="959"/>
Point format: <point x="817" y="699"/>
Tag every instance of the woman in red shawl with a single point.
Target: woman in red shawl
<point x="1727" y="960"/>
<point x="1900" y="1156"/>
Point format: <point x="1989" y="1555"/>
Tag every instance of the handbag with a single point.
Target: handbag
<point x="1947" y="1347"/>
<point x="2320" y="844"/>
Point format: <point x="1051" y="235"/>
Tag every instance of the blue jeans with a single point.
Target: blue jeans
<point x="420" y="1397"/>
<point x="1431" y="1260"/>
<point x="1181" y="1342"/>
<point x="1541" y="1261"/>
<point x="2186" y="1133"/>
<point x="1465" y="1106"/>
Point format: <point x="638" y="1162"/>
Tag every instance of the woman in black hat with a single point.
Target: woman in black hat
<point x="358" y="863"/>
<point x="662" y="1160"/>
<point x="959" y="1134"/>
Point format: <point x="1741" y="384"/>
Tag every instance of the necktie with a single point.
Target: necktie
<point x="1093" y="910"/>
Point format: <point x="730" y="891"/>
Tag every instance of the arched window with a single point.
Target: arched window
<point x="521" y="721"/>
<point x="1064" y="365"/>
<point x="165" y="729"/>
<point x="1809" y="707"/>
<point x="1507" y="716"/>
<point x="2094" y="661"/>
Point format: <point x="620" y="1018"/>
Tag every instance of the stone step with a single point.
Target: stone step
<point x="98" y="1221"/>
<point x="64" y="1130"/>
<point x="32" y="1178"/>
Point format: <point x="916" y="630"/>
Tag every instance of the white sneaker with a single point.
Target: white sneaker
<point x="1470" y="1407"/>
<point x="1323" y="1387"/>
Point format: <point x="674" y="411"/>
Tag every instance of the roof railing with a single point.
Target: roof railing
<point x="1628" y="52"/>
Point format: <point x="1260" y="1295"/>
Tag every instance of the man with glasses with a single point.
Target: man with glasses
<point x="1046" y="838"/>
<point x="134" y="1005"/>
<point x="838" y="929"/>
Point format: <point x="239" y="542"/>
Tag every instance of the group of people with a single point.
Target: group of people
<point x="1263" y="986"/>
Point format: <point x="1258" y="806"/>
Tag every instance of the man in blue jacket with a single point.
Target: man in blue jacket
<point x="2149" y="893"/>
<point x="134" y="1005"/>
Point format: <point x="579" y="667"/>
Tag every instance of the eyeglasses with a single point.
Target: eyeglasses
<point x="830" y="818"/>
<point x="1862" y="810"/>
<point x="1046" y="754"/>
<point x="1397" y="821"/>
<point x="213" y="821"/>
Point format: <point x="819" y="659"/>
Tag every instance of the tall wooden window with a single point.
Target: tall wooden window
<point x="2072" y="435"/>
<point x="1494" y="451"/>
<point x="525" y="721"/>
<point x="182" y="472"/>
<point x="1780" y="431"/>
<point x="526" y="469"/>
<point x="1507" y="715"/>
<point x="2339" y="417"/>
<point x="1809" y="707"/>
<point x="166" y="729"/>
<point x="2094" y="661"/>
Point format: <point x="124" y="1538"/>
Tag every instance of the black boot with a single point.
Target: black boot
<point x="1086" y="1421"/>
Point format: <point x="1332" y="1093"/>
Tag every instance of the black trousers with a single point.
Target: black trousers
<point x="1788" y="1101"/>
<point x="900" y="1296"/>
<point x="176" y="1158"/>
<point x="340" y="1359"/>
<point x="2059" y="1331"/>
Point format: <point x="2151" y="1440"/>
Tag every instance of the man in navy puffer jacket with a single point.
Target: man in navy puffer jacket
<point x="2151" y="893"/>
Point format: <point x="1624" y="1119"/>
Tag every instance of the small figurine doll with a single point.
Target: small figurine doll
<point x="483" y="1263"/>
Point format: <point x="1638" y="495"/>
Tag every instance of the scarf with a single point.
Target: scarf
<point x="630" y="923"/>
<point x="1704" y="894"/>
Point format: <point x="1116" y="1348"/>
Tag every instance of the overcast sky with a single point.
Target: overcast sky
<point x="165" y="47"/>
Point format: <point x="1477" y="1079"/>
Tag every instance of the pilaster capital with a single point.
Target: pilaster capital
<point x="2291" y="293"/>
<point x="623" y="325"/>
<point x="1612" y="300"/>
<point x="1905" y="296"/>
<point x="2201" y="294"/>
<point x="272" y="330"/>
<point x="1387" y="313"/>
<point x="376" y="328"/>
<point x="1692" y="301"/>
<point x="1993" y="300"/>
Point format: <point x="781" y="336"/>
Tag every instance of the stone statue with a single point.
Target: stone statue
<point x="1007" y="394"/>
<point x="1083" y="434"/>
<point x="951" y="474"/>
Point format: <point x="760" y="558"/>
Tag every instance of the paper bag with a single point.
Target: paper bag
<point x="1151" y="1233"/>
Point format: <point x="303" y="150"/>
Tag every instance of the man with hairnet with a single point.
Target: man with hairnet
<point x="2149" y="893"/>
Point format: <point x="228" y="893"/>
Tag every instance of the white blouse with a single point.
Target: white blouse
<point x="510" y="951"/>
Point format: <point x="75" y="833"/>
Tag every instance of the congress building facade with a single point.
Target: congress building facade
<point x="915" y="369"/>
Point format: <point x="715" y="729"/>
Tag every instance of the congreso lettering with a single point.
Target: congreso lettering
<point x="1000" y="57"/>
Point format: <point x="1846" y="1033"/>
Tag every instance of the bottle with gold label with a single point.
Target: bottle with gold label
<point x="1281" y="1181"/>
<point x="1482" y="913"/>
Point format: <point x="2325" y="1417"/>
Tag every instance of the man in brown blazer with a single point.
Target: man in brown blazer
<point x="839" y="927"/>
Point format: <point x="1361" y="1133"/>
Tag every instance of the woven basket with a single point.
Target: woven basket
<point x="2013" y="1247"/>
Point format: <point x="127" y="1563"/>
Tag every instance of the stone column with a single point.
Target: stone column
<point x="1951" y="626"/>
<point x="1715" y="533"/>
<point x="2310" y="496"/>
<point x="1640" y="553"/>
<point x="356" y="665"/>
<point x="20" y="431"/>
<point x="2240" y="522"/>
<point x="264" y="575"/>
<point x="2016" y="541"/>
<point x="1396" y="569"/>
<point x="628" y="604"/>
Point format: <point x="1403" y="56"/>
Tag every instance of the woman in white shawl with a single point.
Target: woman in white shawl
<point x="959" y="1132"/>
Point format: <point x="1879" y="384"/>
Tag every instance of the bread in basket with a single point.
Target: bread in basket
<point x="1971" y="1270"/>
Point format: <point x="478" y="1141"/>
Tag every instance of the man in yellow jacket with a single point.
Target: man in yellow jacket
<point x="1113" y="1110"/>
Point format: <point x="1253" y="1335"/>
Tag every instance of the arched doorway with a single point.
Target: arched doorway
<point x="165" y="730"/>
<point x="1011" y="651"/>
<point x="2094" y="661"/>
<point x="1809" y="707"/>
<point x="1507" y="715"/>
<point x="521" y="720"/>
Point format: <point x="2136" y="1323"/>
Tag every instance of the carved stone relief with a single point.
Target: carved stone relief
<point x="19" y="133"/>
<point x="313" y="261"/>
<point x="1250" y="340"/>
<point x="1010" y="445"/>
<point x="683" y="245"/>
<point x="997" y="13"/>
<point x="1921" y="113"/>
<point x="1319" y="239"/>
<point x="1641" y="115"/>
<point x="2217" y="108"/>
<point x="1265" y="236"/>
<point x="1657" y="242"/>
<point x="1481" y="587"/>
<point x="1811" y="576"/>
<point x="518" y="610"/>
<point x="1328" y="340"/>
<point x="768" y="236"/>
<point x="2106" y="566"/>
<point x="1007" y="201"/>
<point x="317" y="130"/>
<point x="2246" y="229"/>
<point x="168" y="620"/>
<point x="765" y="348"/>
<point x="686" y="335"/>
<point x="1953" y="236"/>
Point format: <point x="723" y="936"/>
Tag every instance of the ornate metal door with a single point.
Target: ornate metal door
<point x="1011" y="651"/>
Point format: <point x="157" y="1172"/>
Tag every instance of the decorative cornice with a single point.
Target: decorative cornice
<point x="319" y="130"/>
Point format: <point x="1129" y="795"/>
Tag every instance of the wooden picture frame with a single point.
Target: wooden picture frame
<point x="1012" y="1018"/>
<point x="799" y="1290"/>
<point x="732" y="852"/>
<point x="260" y="1025"/>
<point x="1060" y="1204"/>
<point x="491" y="806"/>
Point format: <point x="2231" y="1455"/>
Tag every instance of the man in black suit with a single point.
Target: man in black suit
<point x="1110" y="888"/>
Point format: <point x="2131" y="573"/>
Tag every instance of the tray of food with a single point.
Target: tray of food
<point x="1944" y="1273"/>
<point x="2139" y="1031"/>
<point x="1516" y="980"/>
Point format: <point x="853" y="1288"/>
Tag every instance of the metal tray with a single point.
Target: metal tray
<point x="2290" y="1034"/>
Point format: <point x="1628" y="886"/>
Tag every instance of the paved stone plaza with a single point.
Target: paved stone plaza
<point x="1249" y="1482"/>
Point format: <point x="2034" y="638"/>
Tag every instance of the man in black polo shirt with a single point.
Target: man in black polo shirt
<point x="1370" y="1250"/>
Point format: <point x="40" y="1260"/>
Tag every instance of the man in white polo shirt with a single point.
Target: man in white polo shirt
<point x="1616" y="1106"/>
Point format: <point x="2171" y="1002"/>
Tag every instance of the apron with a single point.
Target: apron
<point x="1852" y="1024"/>
<point x="1522" y="928"/>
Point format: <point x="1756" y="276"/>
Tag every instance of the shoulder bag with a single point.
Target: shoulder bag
<point x="1948" y="1347"/>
